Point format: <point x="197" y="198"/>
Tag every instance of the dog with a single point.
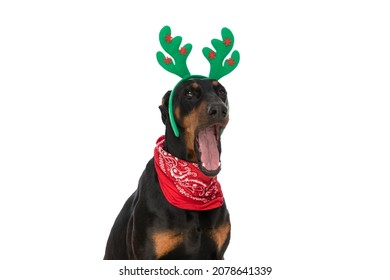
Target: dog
<point x="149" y="226"/>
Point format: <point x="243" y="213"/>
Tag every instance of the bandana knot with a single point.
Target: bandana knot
<point x="183" y="184"/>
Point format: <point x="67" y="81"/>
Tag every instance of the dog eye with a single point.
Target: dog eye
<point x="221" y="92"/>
<point x="188" y="93"/>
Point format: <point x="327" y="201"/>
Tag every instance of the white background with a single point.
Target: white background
<point x="306" y="155"/>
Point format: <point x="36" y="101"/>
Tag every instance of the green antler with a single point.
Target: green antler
<point x="179" y="55"/>
<point x="222" y="49"/>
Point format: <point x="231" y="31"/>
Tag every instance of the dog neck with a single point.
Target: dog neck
<point x="183" y="183"/>
<point x="174" y="145"/>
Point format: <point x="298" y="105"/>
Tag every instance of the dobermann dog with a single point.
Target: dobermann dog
<point x="148" y="226"/>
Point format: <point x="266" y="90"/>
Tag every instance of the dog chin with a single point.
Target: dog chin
<point x="209" y="173"/>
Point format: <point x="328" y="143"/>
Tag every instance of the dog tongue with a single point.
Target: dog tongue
<point x="208" y="147"/>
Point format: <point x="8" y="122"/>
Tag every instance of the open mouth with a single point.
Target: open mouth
<point x="208" y="149"/>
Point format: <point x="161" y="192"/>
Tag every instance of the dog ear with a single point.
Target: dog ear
<point x="164" y="107"/>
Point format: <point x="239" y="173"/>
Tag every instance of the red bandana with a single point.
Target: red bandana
<point x="183" y="184"/>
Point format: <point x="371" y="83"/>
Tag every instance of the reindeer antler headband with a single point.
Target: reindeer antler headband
<point x="219" y="67"/>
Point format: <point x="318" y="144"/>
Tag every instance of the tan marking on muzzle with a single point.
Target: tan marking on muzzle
<point x="190" y="123"/>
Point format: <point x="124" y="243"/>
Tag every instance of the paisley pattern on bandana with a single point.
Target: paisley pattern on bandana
<point x="183" y="184"/>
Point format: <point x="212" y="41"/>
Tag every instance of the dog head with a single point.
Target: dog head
<point x="201" y="112"/>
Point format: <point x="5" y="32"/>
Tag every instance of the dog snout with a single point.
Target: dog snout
<point x="217" y="110"/>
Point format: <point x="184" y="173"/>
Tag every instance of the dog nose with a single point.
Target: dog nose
<point x="217" y="110"/>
